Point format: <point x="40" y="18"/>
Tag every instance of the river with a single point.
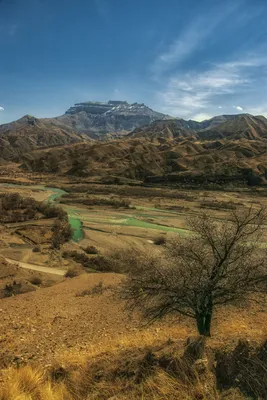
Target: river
<point x="77" y="215"/>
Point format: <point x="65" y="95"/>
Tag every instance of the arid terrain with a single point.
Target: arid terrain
<point x="70" y="215"/>
<point x="133" y="200"/>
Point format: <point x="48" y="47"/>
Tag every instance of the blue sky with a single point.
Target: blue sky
<point x="188" y="58"/>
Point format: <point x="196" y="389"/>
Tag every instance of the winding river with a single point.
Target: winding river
<point x="76" y="216"/>
<point x="73" y="218"/>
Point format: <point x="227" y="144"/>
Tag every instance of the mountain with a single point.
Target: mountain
<point x="210" y="123"/>
<point x="82" y="122"/>
<point x="243" y="126"/>
<point x="97" y="119"/>
<point x="170" y="129"/>
<point x="231" y="127"/>
<point x="220" y="150"/>
<point x="131" y="158"/>
<point x="178" y="161"/>
<point x="30" y="133"/>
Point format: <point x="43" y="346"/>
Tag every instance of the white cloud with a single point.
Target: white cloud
<point x="187" y="94"/>
<point x="201" y="117"/>
<point x="2" y="109"/>
<point x="206" y="87"/>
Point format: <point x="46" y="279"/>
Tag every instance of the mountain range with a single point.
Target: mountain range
<point x="117" y="140"/>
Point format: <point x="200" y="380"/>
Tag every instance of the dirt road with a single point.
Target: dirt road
<point x="40" y="268"/>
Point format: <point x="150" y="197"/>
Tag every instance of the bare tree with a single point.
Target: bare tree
<point x="220" y="263"/>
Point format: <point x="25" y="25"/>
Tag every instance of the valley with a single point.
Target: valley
<point x="80" y="320"/>
<point x="76" y="215"/>
<point x="133" y="200"/>
<point x="114" y="217"/>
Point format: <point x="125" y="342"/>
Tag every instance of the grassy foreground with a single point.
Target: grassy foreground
<point x="166" y="371"/>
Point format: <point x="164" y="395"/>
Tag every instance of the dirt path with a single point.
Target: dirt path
<point x="40" y="268"/>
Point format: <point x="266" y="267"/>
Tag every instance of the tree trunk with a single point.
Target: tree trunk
<point x="204" y="319"/>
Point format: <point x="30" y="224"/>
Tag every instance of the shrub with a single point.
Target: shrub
<point x="97" y="201"/>
<point x="99" y="288"/>
<point x="98" y="263"/>
<point x="15" y="208"/>
<point x="91" y="250"/>
<point x="36" y="249"/>
<point x="36" y="281"/>
<point x="72" y="272"/>
<point x="62" y="232"/>
<point x="160" y="240"/>
<point x="102" y="264"/>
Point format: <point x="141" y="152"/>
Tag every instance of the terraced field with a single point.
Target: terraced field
<point x="81" y="217"/>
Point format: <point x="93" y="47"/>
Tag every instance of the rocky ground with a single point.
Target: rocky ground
<point x="49" y="323"/>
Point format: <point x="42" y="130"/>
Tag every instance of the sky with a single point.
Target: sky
<point x="187" y="58"/>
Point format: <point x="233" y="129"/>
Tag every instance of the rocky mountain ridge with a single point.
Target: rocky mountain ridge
<point x="227" y="148"/>
<point x="97" y="119"/>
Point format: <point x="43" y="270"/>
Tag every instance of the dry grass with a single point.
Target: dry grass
<point x="73" y="271"/>
<point x="30" y="384"/>
<point x="110" y="377"/>
<point x="162" y="372"/>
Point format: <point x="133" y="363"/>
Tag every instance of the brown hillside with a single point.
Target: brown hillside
<point x="184" y="161"/>
<point x="170" y="129"/>
<point x="29" y="133"/>
<point x="241" y="127"/>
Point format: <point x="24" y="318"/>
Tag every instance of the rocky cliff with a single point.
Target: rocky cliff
<point x="97" y="119"/>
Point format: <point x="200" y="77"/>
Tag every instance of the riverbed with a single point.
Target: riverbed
<point x="80" y="217"/>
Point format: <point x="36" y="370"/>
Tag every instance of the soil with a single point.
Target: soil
<point x="60" y="321"/>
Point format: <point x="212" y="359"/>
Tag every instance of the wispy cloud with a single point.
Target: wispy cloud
<point x="2" y="109"/>
<point x="193" y="38"/>
<point x="188" y="94"/>
<point x="195" y="85"/>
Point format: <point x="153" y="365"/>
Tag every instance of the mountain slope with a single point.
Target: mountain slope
<point x="30" y="133"/>
<point x="161" y="152"/>
<point x="98" y="119"/>
<point x="84" y="121"/>
<point x="241" y="127"/>
<point x="179" y="161"/>
<point x="170" y="129"/>
<point x="212" y="122"/>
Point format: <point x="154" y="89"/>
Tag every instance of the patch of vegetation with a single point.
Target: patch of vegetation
<point x="36" y="281"/>
<point x="131" y="191"/>
<point x="62" y="232"/>
<point x="219" y="205"/>
<point x="160" y="240"/>
<point x="162" y="372"/>
<point x="221" y="264"/>
<point x="97" y="201"/>
<point x="98" y="263"/>
<point x="72" y="272"/>
<point x="97" y="289"/>
<point x="16" y="288"/>
<point x="91" y="250"/>
<point x="15" y="208"/>
<point x="36" y="249"/>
